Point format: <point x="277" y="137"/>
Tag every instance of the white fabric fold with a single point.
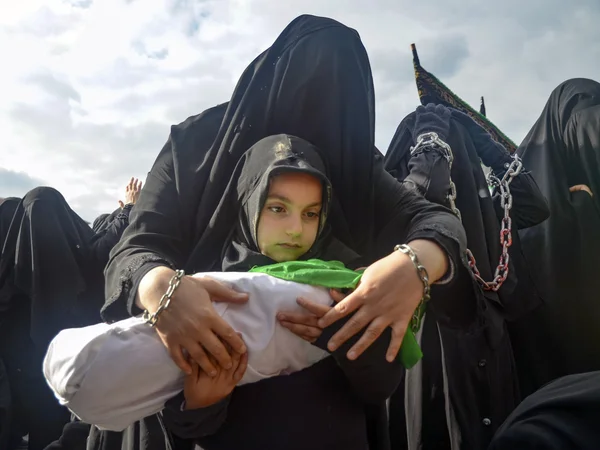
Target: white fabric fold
<point x="112" y="375"/>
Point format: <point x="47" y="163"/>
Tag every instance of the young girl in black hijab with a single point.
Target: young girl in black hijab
<point x="284" y="195"/>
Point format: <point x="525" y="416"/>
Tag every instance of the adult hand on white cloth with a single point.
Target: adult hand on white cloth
<point x="190" y="322"/>
<point x="305" y="323"/>
<point x="388" y="294"/>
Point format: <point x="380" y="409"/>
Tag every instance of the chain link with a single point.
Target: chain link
<point x="428" y="141"/>
<point x="165" y="300"/>
<point x="424" y="276"/>
<point x="431" y="141"/>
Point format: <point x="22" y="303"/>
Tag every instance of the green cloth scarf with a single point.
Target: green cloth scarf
<point x="334" y="275"/>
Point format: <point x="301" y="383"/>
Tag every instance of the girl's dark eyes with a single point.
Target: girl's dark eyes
<point x="280" y="209"/>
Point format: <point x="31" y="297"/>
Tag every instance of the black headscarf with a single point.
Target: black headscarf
<point x="562" y="150"/>
<point x="266" y="159"/>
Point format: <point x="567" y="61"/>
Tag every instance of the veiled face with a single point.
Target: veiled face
<point x="289" y="221"/>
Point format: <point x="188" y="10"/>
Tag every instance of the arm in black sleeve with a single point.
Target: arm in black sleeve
<point x="103" y="242"/>
<point x="155" y="237"/>
<point x="403" y="215"/>
<point x="372" y="377"/>
<point x="194" y="423"/>
<point x="162" y="226"/>
<point x="529" y="206"/>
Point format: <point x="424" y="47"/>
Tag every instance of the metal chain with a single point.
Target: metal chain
<point x="428" y="141"/>
<point x="165" y="300"/>
<point x="424" y="276"/>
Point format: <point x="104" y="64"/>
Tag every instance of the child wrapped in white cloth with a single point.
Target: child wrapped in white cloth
<point x="112" y="375"/>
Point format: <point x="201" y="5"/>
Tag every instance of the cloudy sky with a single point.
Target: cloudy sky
<point x="89" y="88"/>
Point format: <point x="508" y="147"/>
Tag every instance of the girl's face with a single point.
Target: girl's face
<point x="289" y="221"/>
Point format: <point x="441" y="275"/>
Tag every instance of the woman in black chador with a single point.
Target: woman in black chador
<point x="562" y="150"/>
<point x="315" y="83"/>
<point x="51" y="278"/>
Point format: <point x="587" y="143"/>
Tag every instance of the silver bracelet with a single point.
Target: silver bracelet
<point x="165" y="300"/>
<point x="424" y="276"/>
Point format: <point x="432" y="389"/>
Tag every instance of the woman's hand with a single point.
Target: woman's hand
<point x="132" y="192"/>
<point x="389" y="292"/>
<point x="305" y="324"/>
<point x="190" y="322"/>
<point x="201" y="390"/>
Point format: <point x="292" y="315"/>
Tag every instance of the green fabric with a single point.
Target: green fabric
<point x="334" y="275"/>
<point x="329" y="274"/>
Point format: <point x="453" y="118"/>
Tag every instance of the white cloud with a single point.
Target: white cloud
<point x="90" y="88"/>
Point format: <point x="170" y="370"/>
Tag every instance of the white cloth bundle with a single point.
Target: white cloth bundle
<point x="112" y="375"/>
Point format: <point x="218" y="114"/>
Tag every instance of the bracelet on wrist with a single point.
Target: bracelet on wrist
<point x="424" y="277"/>
<point x="165" y="300"/>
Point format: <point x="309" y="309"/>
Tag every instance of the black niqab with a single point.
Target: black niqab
<point x="562" y="150"/>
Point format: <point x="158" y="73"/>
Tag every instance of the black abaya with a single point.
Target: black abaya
<point x="314" y="82"/>
<point x="481" y="374"/>
<point x="562" y="150"/>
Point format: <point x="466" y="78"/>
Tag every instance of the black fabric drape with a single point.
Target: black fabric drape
<point x="47" y="259"/>
<point x="8" y="208"/>
<point x="55" y="259"/>
<point x="51" y="278"/>
<point x="33" y="409"/>
<point x="481" y="372"/>
<point x="562" y="415"/>
<point x="5" y="408"/>
<point x="103" y="221"/>
<point x="562" y="150"/>
<point x="315" y="83"/>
